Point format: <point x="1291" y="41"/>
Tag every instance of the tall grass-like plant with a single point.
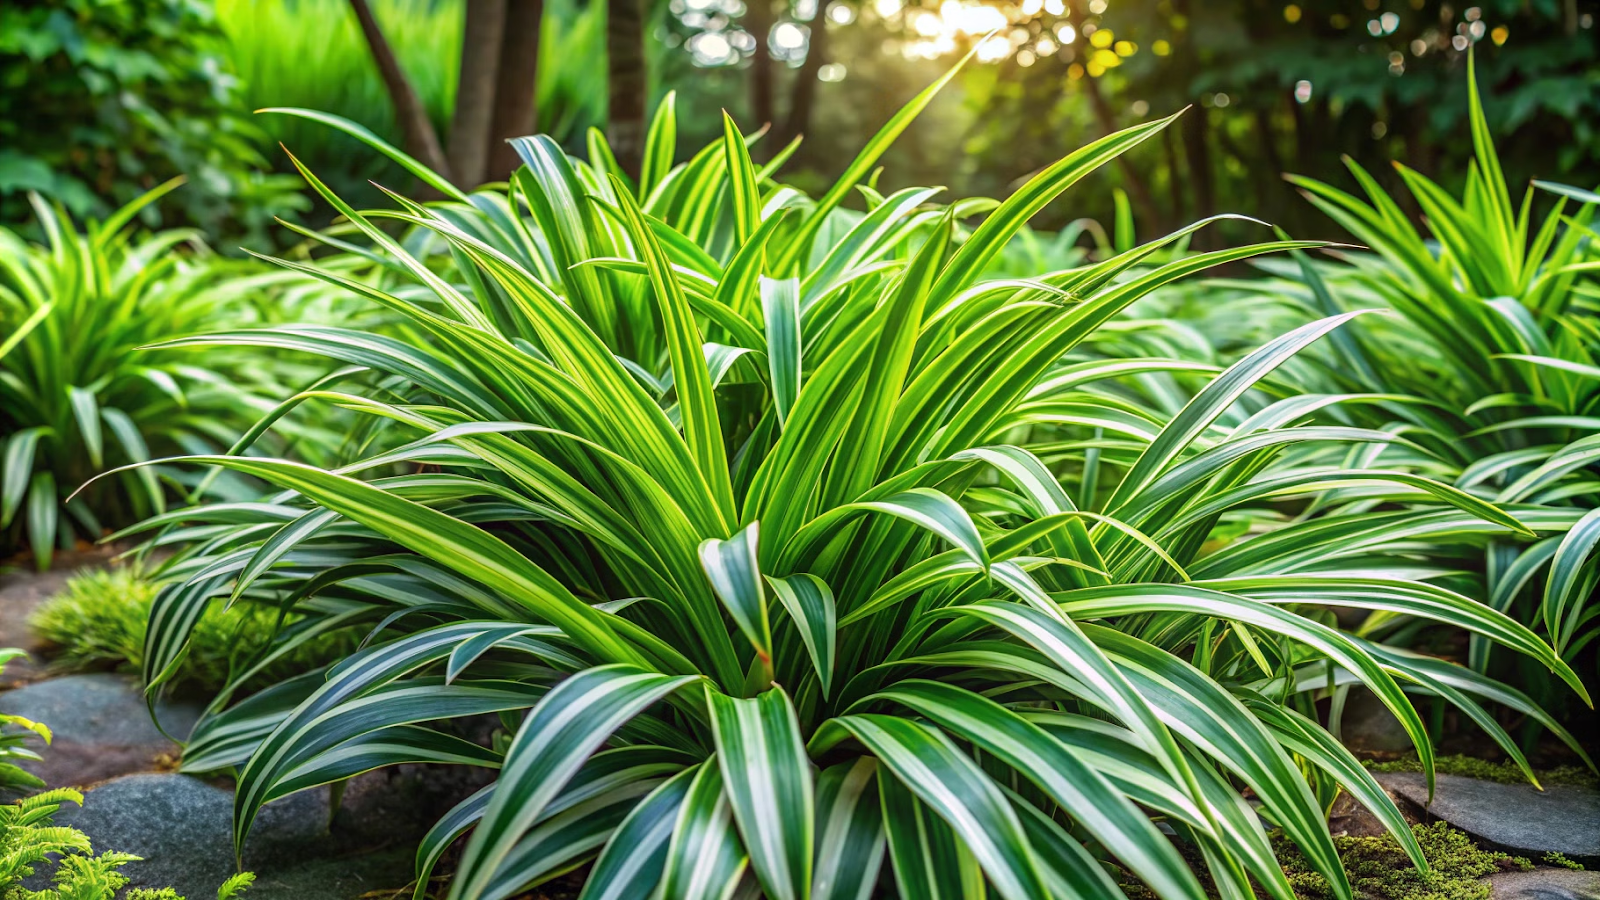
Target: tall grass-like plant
<point x="730" y="513"/>
<point x="1490" y="374"/>
<point x="80" y="390"/>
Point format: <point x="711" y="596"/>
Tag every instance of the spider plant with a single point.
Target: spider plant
<point x="79" y="391"/>
<point x="1491" y="371"/>
<point x="709" y="493"/>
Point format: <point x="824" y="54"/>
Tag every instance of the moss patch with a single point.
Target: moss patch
<point x="1504" y="772"/>
<point x="1560" y="861"/>
<point x="1379" y="869"/>
<point x="98" y="621"/>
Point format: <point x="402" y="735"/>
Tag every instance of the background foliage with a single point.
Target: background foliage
<point x="102" y="101"/>
<point x="162" y="87"/>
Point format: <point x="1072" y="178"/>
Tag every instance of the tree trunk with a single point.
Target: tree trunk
<point x="1174" y="174"/>
<point x="803" y="95"/>
<point x="625" y="79"/>
<point x="516" y="86"/>
<point x="1273" y="193"/>
<point x="1197" y="159"/>
<point x="758" y="21"/>
<point x="1138" y="191"/>
<point x="475" y="103"/>
<point x="1196" y="149"/>
<point x="416" y="130"/>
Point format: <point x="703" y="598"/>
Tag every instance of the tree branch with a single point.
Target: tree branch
<point x="417" y="134"/>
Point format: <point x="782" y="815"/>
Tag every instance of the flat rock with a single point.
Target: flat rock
<point x="182" y="829"/>
<point x="1545" y="884"/>
<point x="1517" y="818"/>
<point x="102" y="727"/>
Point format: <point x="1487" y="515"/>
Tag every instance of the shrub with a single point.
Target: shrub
<point x="103" y="101"/>
<point x="82" y="391"/>
<point x="99" y="620"/>
<point x="748" y="536"/>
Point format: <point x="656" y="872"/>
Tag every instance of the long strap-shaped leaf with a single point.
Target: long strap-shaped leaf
<point x="394" y="745"/>
<point x="358" y="674"/>
<point x="735" y="575"/>
<point x="1122" y="600"/>
<point x="929" y="859"/>
<point x="893" y="332"/>
<point x="928" y="763"/>
<point x="701" y="427"/>
<point x="1212" y="402"/>
<point x="997" y="230"/>
<point x="809" y="602"/>
<point x="660" y="146"/>
<point x="16" y="468"/>
<point x="633" y="860"/>
<point x="927" y="508"/>
<point x="791" y="255"/>
<point x="1209" y="717"/>
<point x="571" y="229"/>
<point x="555" y="740"/>
<point x="1307" y="738"/>
<point x="1119" y="825"/>
<point x="564" y="841"/>
<point x="745" y="191"/>
<point x="1561" y="590"/>
<point x="850" y="834"/>
<point x="1068" y="867"/>
<point x="705" y="860"/>
<point x="365" y="135"/>
<point x="1065" y="645"/>
<point x="28" y="324"/>
<point x="780" y="306"/>
<point x="1420" y="599"/>
<point x="767" y="780"/>
<point x="471" y="551"/>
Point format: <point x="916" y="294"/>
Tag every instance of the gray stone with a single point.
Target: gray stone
<point x="1516" y="818"/>
<point x="102" y="727"/>
<point x="1367" y="726"/>
<point x="182" y="828"/>
<point x="1545" y="884"/>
